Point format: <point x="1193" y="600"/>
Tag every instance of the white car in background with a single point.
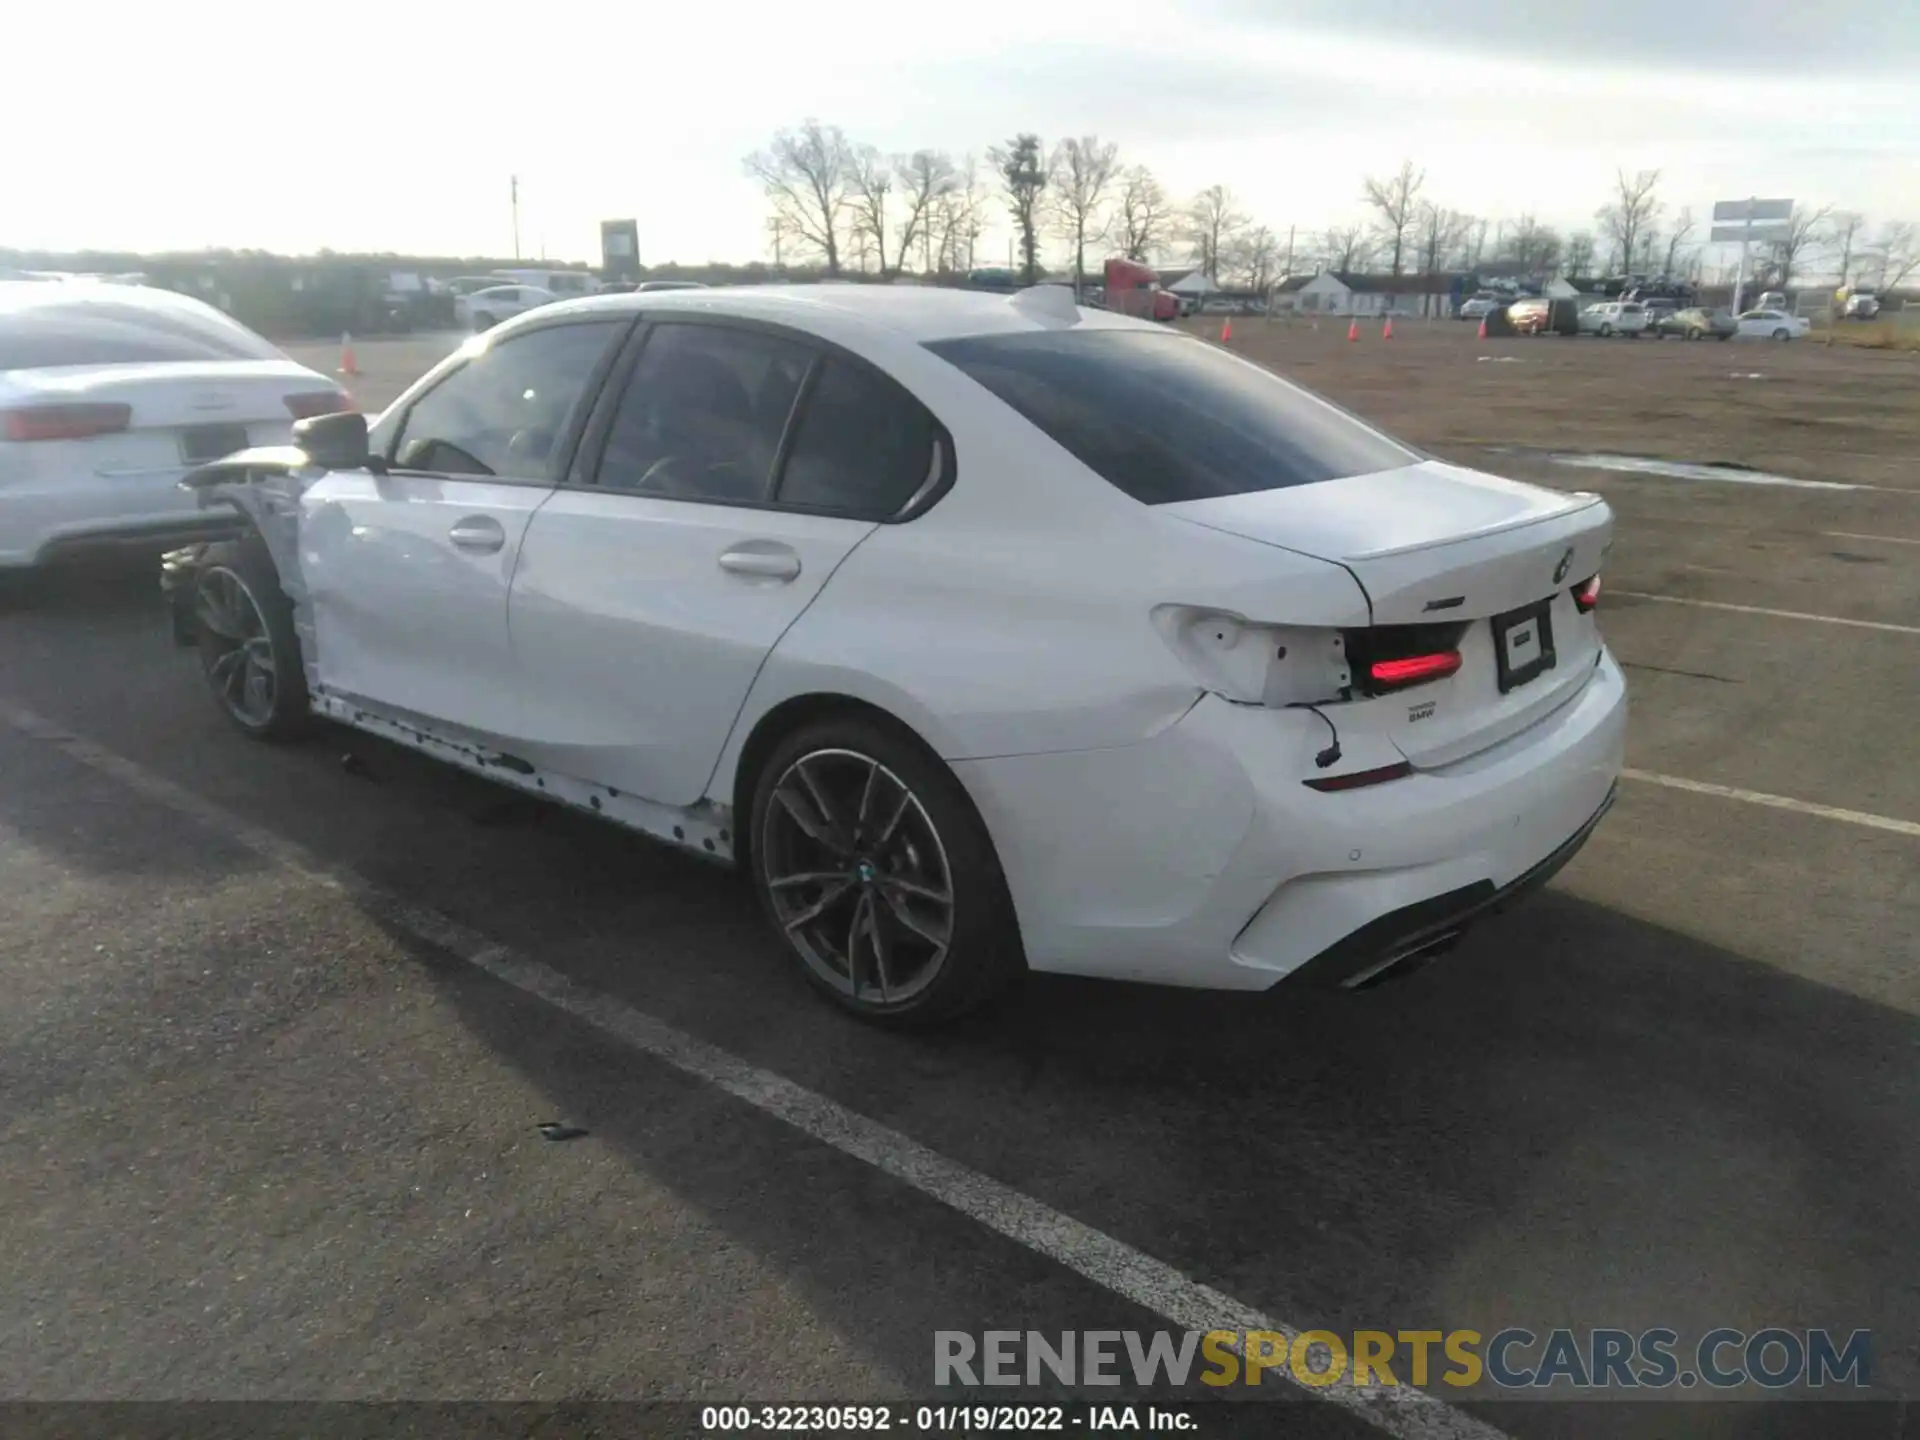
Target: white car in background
<point x="109" y="394"/>
<point x="984" y="634"/>
<point x="1771" y="325"/>
<point x="484" y="309"/>
<point x="1615" y="317"/>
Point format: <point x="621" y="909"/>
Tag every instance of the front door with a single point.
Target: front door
<point x="409" y="570"/>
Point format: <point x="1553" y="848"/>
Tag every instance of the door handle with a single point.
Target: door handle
<point x="479" y="533"/>
<point x="764" y="560"/>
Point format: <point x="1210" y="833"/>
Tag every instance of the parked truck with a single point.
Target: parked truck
<point x="1134" y="289"/>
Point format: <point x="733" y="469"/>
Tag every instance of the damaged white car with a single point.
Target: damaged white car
<point x="985" y="634"/>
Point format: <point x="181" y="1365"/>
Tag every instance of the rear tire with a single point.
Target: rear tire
<point x="879" y="876"/>
<point x="1606" y="331"/>
<point x="1695" y="333"/>
<point x="1783" y="334"/>
<point x="481" y="322"/>
<point x="249" y="651"/>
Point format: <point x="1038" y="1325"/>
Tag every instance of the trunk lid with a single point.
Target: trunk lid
<point x="1478" y="563"/>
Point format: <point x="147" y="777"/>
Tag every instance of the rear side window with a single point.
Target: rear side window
<point x="108" y="331"/>
<point x="702" y="417"/>
<point x="504" y="412"/>
<point x="862" y="447"/>
<point x="1166" y="418"/>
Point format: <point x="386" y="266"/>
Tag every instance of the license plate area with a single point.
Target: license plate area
<point x="1523" y="644"/>
<point x="201" y="443"/>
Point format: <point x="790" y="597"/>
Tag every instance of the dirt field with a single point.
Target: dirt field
<point x="1840" y="413"/>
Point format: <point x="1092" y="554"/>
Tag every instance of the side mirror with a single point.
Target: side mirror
<point x="334" y="442"/>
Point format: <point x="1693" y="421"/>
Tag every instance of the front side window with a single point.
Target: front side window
<point x="862" y="446"/>
<point x="1166" y="418"/>
<point x="504" y="412"/>
<point x="702" y="417"/>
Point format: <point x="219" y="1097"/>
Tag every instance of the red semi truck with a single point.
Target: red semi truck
<point x="1134" y="289"/>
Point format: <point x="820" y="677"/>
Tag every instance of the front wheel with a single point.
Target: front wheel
<point x="879" y="875"/>
<point x="1695" y="333"/>
<point x="1606" y="331"/>
<point x="249" y="652"/>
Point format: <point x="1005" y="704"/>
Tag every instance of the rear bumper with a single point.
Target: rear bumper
<point x="1419" y="932"/>
<point x="1198" y="857"/>
<point x="44" y="521"/>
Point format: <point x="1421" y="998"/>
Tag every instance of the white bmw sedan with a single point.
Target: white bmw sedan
<point x="984" y="634"/>
<point x="109" y="394"/>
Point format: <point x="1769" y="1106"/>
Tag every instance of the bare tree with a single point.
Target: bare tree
<point x="804" y="173"/>
<point x="1806" y="229"/>
<point x="869" y="184"/>
<point x="1532" y="246"/>
<point x="1344" y="249"/>
<point x="1214" y="222"/>
<point x="1084" y="170"/>
<point x="1473" y="246"/>
<point x="1253" y="258"/>
<point x="1396" y="201"/>
<point x="1631" y="213"/>
<point x="1145" y="219"/>
<point x="1440" y="230"/>
<point x="1844" y="228"/>
<point x="1895" y="254"/>
<point x="925" y="179"/>
<point x="1580" y="254"/>
<point x="956" y="219"/>
<point x="1677" y="236"/>
<point x="1023" y="175"/>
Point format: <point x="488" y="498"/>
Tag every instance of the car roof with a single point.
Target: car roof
<point x="917" y="313"/>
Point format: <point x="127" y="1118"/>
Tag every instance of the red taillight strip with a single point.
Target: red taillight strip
<point x="1358" y="778"/>
<point x="1415" y="668"/>
<point x="1586" y="594"/>
<point x="66" y="422"/>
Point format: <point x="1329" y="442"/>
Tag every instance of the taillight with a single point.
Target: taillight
<point x="1586" y="595"/>
<point x="318" y="402"/>
<point x="1413" y="669"/>
<point x="1354" y="780"/>
<point x="66" y="422"/>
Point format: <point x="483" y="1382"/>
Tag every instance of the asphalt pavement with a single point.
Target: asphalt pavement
<point x="265" y="1136"/>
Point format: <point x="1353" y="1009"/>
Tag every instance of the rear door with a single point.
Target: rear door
<point x="737" y="467"/>
<point x="408" y="570"/>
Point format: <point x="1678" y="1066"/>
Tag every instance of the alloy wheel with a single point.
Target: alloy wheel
<point x="239" y="651"/>
<point x="858" y="876"/>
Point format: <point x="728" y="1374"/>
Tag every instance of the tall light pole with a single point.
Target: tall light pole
<point x="513" y="189"/>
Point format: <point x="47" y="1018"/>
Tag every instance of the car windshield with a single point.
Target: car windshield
<point x="110" y="329"/>
<point x="1165" y="418"/>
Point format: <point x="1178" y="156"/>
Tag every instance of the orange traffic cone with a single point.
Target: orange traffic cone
<point x="1483" y="329"/>
<point x="1226" y="330"/>
<point x="347" y="365"/>
<point x="1386" y="330"/>
<point x="1353" y="330"/>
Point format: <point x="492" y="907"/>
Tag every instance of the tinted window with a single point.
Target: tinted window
<point x="504" y="411"/>
<point x="863" y="445"/>
<point x="702" y="417"/>
<point x="1166" y="418"/>
<point x="102" y="329"/>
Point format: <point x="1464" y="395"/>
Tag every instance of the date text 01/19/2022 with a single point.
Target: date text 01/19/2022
<point x="942" y="1419"/>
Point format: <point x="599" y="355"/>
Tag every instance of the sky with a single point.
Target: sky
<point x="395" y="126"/>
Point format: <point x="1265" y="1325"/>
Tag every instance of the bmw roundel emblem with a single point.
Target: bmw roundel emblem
<point x="1566" y="564"/>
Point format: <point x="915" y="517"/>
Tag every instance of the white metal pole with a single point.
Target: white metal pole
<point x="1746" y="238"/>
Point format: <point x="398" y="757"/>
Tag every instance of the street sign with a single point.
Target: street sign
<point x="1735" y="211"/>
<point x="1741" y="222"/>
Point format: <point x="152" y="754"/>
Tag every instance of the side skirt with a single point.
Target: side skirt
<point x="705" y="829"/>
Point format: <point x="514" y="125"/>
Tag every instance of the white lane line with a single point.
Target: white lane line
<point x="1777" y="802"/>
<point x="1776" y="614"/>
<point x="1112" y="1264"/>
<point x="1878" y="539"/>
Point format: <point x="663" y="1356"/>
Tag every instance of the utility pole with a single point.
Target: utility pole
<point x="779" y="229"/>
<point x="1290" y="249"/>
<point x="513" y="189"/>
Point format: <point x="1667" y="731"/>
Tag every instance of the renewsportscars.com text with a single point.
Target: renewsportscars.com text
<point x="1513" y="1359"/>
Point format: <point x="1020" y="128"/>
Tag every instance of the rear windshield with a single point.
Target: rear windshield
<point x="101" y="331"/>
<point x="1167" y="418"/>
